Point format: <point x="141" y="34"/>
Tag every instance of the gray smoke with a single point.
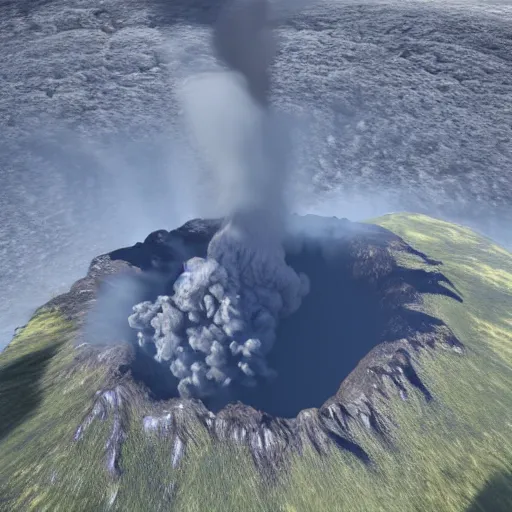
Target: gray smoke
<point x="220" y="323"/>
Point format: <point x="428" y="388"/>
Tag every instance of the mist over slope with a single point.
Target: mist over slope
<point x="387" y="112"/>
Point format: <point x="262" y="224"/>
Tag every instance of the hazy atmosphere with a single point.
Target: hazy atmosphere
<point x="383" y="113"/>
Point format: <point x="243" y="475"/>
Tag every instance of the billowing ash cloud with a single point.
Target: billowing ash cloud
<point x="220" y="323"/>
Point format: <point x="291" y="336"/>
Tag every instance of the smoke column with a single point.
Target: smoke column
<point x="220" y="323"/>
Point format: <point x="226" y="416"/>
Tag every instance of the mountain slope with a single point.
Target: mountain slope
<point x="72" y="435"/>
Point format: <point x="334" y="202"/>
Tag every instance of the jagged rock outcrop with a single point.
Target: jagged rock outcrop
<point x="109" y="404"/>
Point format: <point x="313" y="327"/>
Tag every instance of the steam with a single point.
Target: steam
<point x="220" y="323"/>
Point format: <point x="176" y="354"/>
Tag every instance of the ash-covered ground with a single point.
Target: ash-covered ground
<point x="391" y="106"/>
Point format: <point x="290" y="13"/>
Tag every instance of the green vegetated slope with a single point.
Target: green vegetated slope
<point x="452" y="454"/>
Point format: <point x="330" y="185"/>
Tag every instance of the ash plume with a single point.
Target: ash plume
<point x="220" y="323"/>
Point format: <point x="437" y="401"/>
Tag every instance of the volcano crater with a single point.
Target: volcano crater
<point x="358" y="333"/>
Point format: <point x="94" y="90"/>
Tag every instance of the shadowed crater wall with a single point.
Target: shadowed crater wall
<point x="337" y="324"/>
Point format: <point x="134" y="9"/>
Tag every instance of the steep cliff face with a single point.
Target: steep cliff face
<point x="357" y="339"/>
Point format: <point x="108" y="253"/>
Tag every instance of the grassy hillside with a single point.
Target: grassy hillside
<point x="451" y="454"/>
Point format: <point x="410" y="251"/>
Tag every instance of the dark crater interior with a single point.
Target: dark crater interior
<point x="342" y="318"/>
<point x="319" y="345"/>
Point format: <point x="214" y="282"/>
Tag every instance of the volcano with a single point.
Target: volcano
<point x="374" y="371"/>
<point x="356" y="336"/>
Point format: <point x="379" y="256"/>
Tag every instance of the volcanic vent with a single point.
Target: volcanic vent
<point x="358" y="299"/>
